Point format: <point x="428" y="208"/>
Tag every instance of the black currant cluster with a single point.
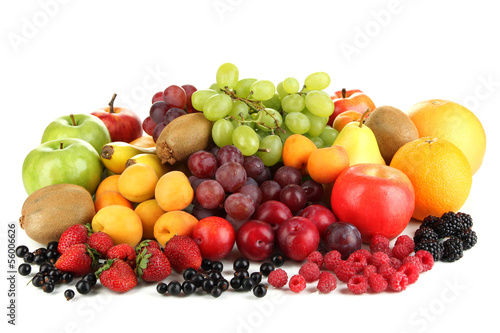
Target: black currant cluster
<point x="446" y="237"/>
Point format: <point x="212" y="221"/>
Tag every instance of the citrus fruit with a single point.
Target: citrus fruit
<point x="454" y="123"/>
<point x="439" y="172"/>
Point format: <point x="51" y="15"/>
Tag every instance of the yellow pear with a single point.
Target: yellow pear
<point x="360" y="143"/>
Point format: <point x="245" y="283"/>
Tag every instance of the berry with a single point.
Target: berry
<point x="405" y="240"/>
<point x="52" y="245"/>
<point x="429" y="221"/>
<point x="197" y="279"/>
<point x="38" y="280"/>
<point x="432" y="246"/>
<point x="69" y="294"/>
<point x="256" y="276"/>
<point x="152" y="265"/>
<point x="357" y="284"/>
<point x="395" y="262"/>
<point x="452" y="249"/>
<point x="223" y="284"/>
<point x="83" y="287"/>
<point x="398" y="281"/>
<point x="48" y="287"/>
<point x="424" y="233"/>
<point x="415" y="261"/>
<point x="278" y="260"/>
<point x="277" y="278"/>
<point x="466" y="220"/>
<point x="161" y="288"/>
<point x="124" y="252"/>
<point x="266" y="268"/>
<point x="359" y="260"/>
<point x="216" y="291"/>
<point x="217" y="266"/>
<point x="115" y="275"/>
<point x="369" y="270"/>
<point x="29" y="257"/>
<point x="411" y="271"/>
<point x="331" y="259"/>
<point x="174" y="288"/>
<point x="182" y="253"/>
<point x="344" y="270"/>
<point x="55" y="274"/>
<point x="379" y="243"/>
<point x="188" y="273"/>
<point x="235" y="283"/>
<point x="76" y="234"/>
<point x="24" y="269"/>
<point x="247" y="283"/>
<point x="241" y="273"/>
<point x="310" y="271"/>
<point x="78" y="260"/>
<point x="378" y="259"/>
<point x="188" y="287"/>
<point x="426" y="258"/>
<point x="206" y="264"/>
<point x="326" y="282"/>
<point x="215" y="275"/>
<point x="377" y="283"/>
<point x="52" y="256"/>
<point x="45" y="268"/>
<point x="297" y="283"/>
<point x="448" y="225"/>
<point x="468" y="238"/>
<point x="101" y="242"/>
<point x="39" y="259"/>
<point x="241" y="263"/>
<point x="259" y="290"/>
<point x="315" y="257"/>
<point x="21" y="251"/>
<point x="207" y="284"/>
<point x="386" y="270"/>
<point x="401" y="251"/>
<point x="91" y="278"/>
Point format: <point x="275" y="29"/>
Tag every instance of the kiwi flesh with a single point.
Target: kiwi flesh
<point x="50" y="210"/>
<point x="183" y="136"/>
<point x="392" y="128"/>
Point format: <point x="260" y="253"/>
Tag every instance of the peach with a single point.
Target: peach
<point x="109" y="198"/>
<point x="173" y="191"/>
<point x="326" y="164"/>
<point x="149" y="212"/>
<point x="137" y="182"/>
<point x="121" y="223"/>
<point x="109" y="183"/>
<point x="296" y="151"/>
<point x="174" y="223"/>
<point x="345" y="118"/>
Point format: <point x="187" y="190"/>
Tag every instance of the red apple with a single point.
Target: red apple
<point x="297" y="237"/>
<point x="376" y="199"/>
<point x="255" y="240"/>
<point x="321" y="216"/>
<point x="122" y="123"/>
<point x="346" y="100"/>
<point x="215" y="236"/>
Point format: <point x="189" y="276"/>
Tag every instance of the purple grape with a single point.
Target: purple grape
<point x="231" y="176"/>
<point x="229" y="153"/>
<point x="202" y="164"/>
<point x="270" y="190"/>
<point x="294" y="197"/>
<point x="287" y="175"/>
<point x="253" y="191"/>
<point x="253" y="165"/>
<point x="173" y="113"/>
<point x="210" y="194"/>
<point x="239" y="206"/>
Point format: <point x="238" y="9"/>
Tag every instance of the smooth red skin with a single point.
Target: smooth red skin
<point x="123" y="125"/>
<point x="255" y="240"/>
<point x="376" y="199"/>
<point x="215" y="236"/>
<point x="297" y="237"/>
<point x="355" y="100"/>
<point x="321" y="216"/>
<point x="275" y="216"/>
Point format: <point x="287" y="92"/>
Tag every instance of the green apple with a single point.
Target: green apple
<point x="81" y="126"/>
<point x="64" y="161"/>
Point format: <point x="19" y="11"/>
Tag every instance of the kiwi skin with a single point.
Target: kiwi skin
<point x="49" y="211"/>
<point x="392" y="128"/>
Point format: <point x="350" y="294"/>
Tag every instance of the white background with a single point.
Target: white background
<point x="61" y="57"/>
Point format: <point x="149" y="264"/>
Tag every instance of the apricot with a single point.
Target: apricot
<point x="173" y="191"/>
<point x="137" y="182"/>
<point x="325" y="164"/>
<point x="296" y="151"/>
<point x="109" y="198"/>
<point x="109" y="183"/>
<point x="345" y="118"/>
<point x="121" y="223"/>
<point x="174" y="223"/>
<point x="149" y="212"/>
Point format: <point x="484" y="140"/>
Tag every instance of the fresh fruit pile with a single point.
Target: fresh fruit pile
<point x="270" y="171"/>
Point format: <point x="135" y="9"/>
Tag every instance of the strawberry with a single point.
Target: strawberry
<point x="78" y="259"/>
<point x="152" y="265"/>
<point x="101" y="242"/>
<point x="147" y="244"/>
<point x="76" y="234"/>
<point x="124" y="252"/>
<point x="117" y="275"/>
<point x="182" y="252"/>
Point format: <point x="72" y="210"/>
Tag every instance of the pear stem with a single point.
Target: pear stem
<point x="61" y="145"/>
<point x="111" y="108"/>
<point x="73" y="119"/>
<point x="344" y="92"/>
<point x="362" y="120"/>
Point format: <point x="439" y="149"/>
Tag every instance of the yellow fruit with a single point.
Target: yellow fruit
<point x="174" y="223"/>
<point x="114" y="155"/>
<point x="110" y="183"/>
<point x="439" y="172"/>
<point x="149" y="212"/>
<point x="150" y="159"/>
<point x="173" y="191"/>
<point x="454" y="123"/>
<point x="137" y="183"/>
<point x="121" y="223"/>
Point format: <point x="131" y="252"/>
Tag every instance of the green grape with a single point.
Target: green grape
<point x="317" y="141"/>
<point x="285" y="133"/>
<point x="227" y="76"/>
<point x="329" y="135"/>
<point x="293" y="103"/>
<point x="222" y="132"/>
<point x="297" y="122"/>
<point x="317" y="81"/>
<point x="273" y="103"/>
<point x="239" y="110"/>
<point x="275" y="146"/>
<point x="317" y="123"/>
<point x="269" y="118"/>
<point x="216" y="88"/>
<point x="217" y="106"/>
<point x="319" y="103"/>
<point x="291" y="85"/>
<point x="262" y="90"/>
<point x="246" y="140"/>
<point x="261" y="133"/>
<point x="199" y="98"/>
<point x="281" y="91"/>
<point x="242" y="87"/>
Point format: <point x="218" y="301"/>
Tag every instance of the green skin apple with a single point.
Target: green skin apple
<point x="64" y="161"/>
<point x="85" y="126"/>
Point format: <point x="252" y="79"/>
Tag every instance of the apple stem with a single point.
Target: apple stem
<point x="344" y="92"/>
<point x="361" y="121"/>
<point x="73" y="119"/>
<point x="61" y="145"/>
<point x="111" y="109"/>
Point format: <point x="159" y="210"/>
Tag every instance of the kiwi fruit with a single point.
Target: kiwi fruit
<point x="50" y="210"/>
<point x="183" y="136"/>
<point x="392" y="128"/>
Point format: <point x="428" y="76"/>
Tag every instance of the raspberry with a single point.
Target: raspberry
<point x="297" y="283"/>
<point x="277" y="278"/>
<point x="377" y="283"/>
<point x="406" y="241"/>
<point x="398" y="281"/>
<point x="344" y="270"/>
<point x="426" y="258"/>
<point x="452" y="249"/>
<point x="357" y="284"/>
<point x="468" y="238"/>
<point x="327" y="282"/>
<point x="432" y="246"/>
<point x="386" y="270"/>
<point x="369" y="270"/>
<point x="424" y="233"/>
<point x="378" y="259"/>
<point x="395" y="262"/>
<point x="364" y="252"/>
<point x="379" y="243"/>
<point x="415" y="261"/>
<point x="411" y="271"/>
<point x="331" y="259"/>
<point x="358" y="260"/>
<point x="310" y="272"/>
<point x="315" y="257"/>
<point x="401" y="251"/>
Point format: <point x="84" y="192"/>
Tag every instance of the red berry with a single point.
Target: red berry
<point x="344" y="270"/>
<point x="377" y="283"/>
<point x="297" y="283"/>
<point x="386" y="270"/>
<point x="124" y="252"/>
<point x="378" y="259"/>
<point x="359" y="260"/>
<point x="101" y="242"/>
<point x="310" y="272"/>
<point x="395" y="262"/>
<point x="183" y="252"/>
<point x="326" y="282"/>
<point x="76" y="234"/>
<point x="369" y="270"/>
<point x="117" y="275"/>
<point x="315" y="257"/>
<point x="331" y="259"/>
<point x="426" y="258"/>
<point x="416" y="261"/>
<point x="406" y="241"/>
<point x="398" y="281"/>
<point x="411" y="271"/>
<point x="401" y="251"/>
<point x="277" y="278"/>
<point x="380" y="243"/>
<point x="357" y="284"/>
<point x="152" y="265"/>
<point x="78" y="260"/>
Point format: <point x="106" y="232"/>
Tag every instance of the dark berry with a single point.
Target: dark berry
<point x="216" y="291"/>
<point x="278" y="260"/>
<point x="223" y="284"/>
<point x="452" y="249"/>
<point x="466" y="220"/>
<point x="217" y="266"/>
<point x="66" y="277"/>
<point x="188" y="273"/>
<point x="161" y="288"/>
<point x="174" y="288"/>
<point x="247" y="284"/>
<point x="266" y="268"/>
<point x="40" y="250"/>
<point x="207" y="284"/>
<point x="468" y="238"/>
<point x="432" y="246"/>
<point x="430" y="221"/>
<point x="29" y="257"/>
<point x="424" y="233"/>
<point x="24" y="269"/>
<point x="90" y="278"/>
<point x="52" y="246"/>
<point x="206" y="264"/>
<point x="215" y="275"/>
<point x="448" y="225"/>
<point x="39" y="259"/>
<point x="45" y="268"/>
<point x="38" y="280"/>
<point x="256" y="276"/>
<point x="260" y="290"/>
<point x="188" y="287"/>
<point x="56" y="274"/>
<point x="49" y="279"/>
<point x="235" y="283"/>
<point x="52" y="256"/>
<point x="69" y="294"/>
<point x="241" y="273"/>
<point x="197" y="279"/>
<point x="21" y="251"/>
<point x="83" y="287"/>
<point x="241" y="263"/>
<point x="48" y="287"/>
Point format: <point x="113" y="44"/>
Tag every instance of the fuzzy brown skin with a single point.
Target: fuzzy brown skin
<point x="183" y="136"/>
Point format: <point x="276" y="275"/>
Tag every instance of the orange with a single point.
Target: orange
<point x="440" y="174"/>
<point x="109" y="183"/>
<point x="109" y="198"/>
<point x="454" y="123"/>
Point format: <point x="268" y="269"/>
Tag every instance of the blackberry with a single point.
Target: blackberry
<point x="424" y="233"/>
<point x="466" y="220"/>
<point x="468" y="238"/>
<point x="430" y="221"/>
<point x="452" y="249"/>
<point x="448" y="225"/>
<point x="432" y="246"/>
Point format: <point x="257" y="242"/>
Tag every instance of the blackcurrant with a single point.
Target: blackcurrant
<point x="223" y="284"/>
<point x="241" y="263"/>
<point x="66" y="277"/>
<point x="266" y="268"/>
<point x="207" y="284"/>
<point x="247" y="283"/>
<point x="39" y="259"/>
<point x="90" y="278"/>
<point x="83" y="287"/>
<point x="40" y="250"/>
<point x="38" y="280"/>
<point x="24" y="269"/>
<point x="69" y="294"/>
<point x="174" y="288"/>
<point x="260" y="290"/>
<point x="21" y="251"/>
<point x="52" y="256"/>
<point x="206" y="264"/>
<point x="188" y="273"/>
<point x="256" y="276"/>
<point x="278" y="260"/>
<point x="215" y="275"/>
<point x="48" y="287"/>
<point x="29" y="257"/>
<point x="217" y="266"/>
<point x="216" y="291"/>
<point x="197" y="279"/>
<point x="235" y="283"/>
<point x="52" y="246"/>
<point x="188" y="287"/>
<point x="161" y="288"/>
<point x="241" y="273"/>
<point x="45" y="268"/>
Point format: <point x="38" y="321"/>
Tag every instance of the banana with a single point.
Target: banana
<point x="114" y="155"/>
<point x="152" y="160"/>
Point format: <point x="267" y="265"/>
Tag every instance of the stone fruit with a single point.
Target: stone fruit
<point x="321" y="216"/>
<point x="215" y="236"/>
<point x="345" y="100"/>
<point x="110" y="183"/>
<point x="297" y="237"/>
<point x="173" y="191"/>
<point x="173" y="223"/>
<point x="342" y="237"/>
<point x="109" y="198"/>
<point x="149" y="212"/>
<point x="255" y="240"/>
<point x="273" y="212"/>
<point x="122" y="224"/>
<point x="325" y="164"/>
<point x="296" y="151"/>
<point x="137" y="182"/>
<point x="49" y="211"/>
<point x="345" y="118"/>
